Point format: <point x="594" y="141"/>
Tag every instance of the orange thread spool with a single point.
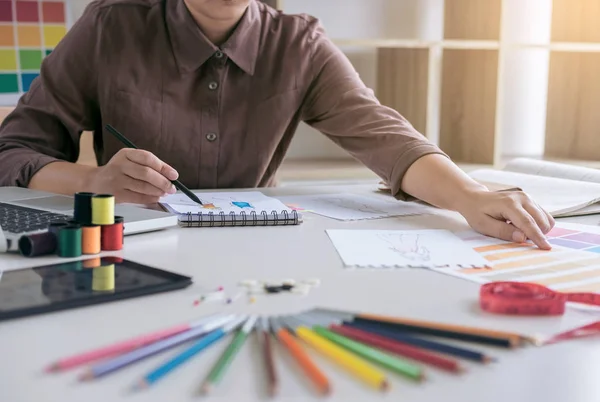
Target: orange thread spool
<point x="90" y="240"/>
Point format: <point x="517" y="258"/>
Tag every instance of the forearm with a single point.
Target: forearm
<point x="438" y="181"/>
<point x="62" y="178"/>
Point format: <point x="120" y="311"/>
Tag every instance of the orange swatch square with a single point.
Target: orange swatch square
<point x="29" y="35"/>
<point x="7" y="35"/>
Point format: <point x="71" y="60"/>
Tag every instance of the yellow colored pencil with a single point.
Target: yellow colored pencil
<point x="347" y="360"/>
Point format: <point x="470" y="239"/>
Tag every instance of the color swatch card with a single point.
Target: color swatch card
<point x="573" y="265"/>
<point x="350" y="207"/>
<point x="29" y="30"/>
<point x="227" y="203"/>
<point x="404" y="248"/>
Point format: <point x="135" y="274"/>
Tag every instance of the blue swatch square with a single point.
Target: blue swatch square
<point x="27" y="79"/>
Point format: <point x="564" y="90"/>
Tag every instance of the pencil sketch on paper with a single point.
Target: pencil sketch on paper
<point x="353" y="205"/>
<point x="407" y="246"/>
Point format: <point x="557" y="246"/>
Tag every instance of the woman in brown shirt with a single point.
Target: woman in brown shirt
<point x="213" y="91"/>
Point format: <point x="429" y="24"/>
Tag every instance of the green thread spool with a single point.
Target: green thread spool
<point x="69" y="241"/>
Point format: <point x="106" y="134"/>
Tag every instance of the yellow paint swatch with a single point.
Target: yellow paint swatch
<point x="524" y="263"/>
<point x="29" y="35"/>
<point x="8" y="60"/>
<point x="569" y="278"/>
<point x="548" y="269"/>
<point x="53" y="35"/>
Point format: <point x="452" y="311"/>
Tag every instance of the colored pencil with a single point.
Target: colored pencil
<point x="399" y="348"/>
<point x="219" y="369"/>
<point x="107" y="367"/>
<point x="312" y="371"/>
<point x="436" y="346"/>
<point x="354" y="365"/>
<point x="458" y="332"/>
<point x="269" y="361"/>
<point x="197" y="347"/>
<point x="123" y="346"/>
<point x="390" y="362"/>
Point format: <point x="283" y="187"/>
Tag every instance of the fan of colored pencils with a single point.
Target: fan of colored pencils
<point x="366" y="346"/>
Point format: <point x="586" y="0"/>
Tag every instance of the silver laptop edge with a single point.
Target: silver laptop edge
<point x="137" y="219"/>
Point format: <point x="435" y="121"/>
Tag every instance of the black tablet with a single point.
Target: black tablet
<point x="73" y="284"/>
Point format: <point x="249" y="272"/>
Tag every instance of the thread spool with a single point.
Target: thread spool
<point x="82" y="211"/>
<point x="103" y="209"/>
<point x="69" y="241"/>
<point x="112" y="235"/>
<point x="103" y="278"/>
<point x="54" y="227"/>
<point x="37" y="244"/>
<point x="90" y="242"/>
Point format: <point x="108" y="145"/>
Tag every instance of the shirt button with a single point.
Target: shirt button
<point x="213" y="85"/>
<point x="211" y="137"/>
<point x="219" y="54"/>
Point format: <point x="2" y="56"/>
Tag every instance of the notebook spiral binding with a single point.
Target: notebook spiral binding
<point x="253" y="218"/>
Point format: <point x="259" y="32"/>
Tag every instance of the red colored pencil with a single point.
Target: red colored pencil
<point x="399" y="348"/>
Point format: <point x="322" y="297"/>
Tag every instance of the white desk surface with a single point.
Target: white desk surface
<point x="224" y="256"/>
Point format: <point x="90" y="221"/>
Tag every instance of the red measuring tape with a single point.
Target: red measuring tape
<point x="518" y="298"/>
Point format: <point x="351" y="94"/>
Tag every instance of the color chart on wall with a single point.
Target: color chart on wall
<point x="573" y="265"/>
<point x="29" y="30"/>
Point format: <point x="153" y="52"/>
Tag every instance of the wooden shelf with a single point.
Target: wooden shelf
<point x="454" y="89"/>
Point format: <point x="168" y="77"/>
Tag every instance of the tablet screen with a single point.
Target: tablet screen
<point x="77" y="283"/>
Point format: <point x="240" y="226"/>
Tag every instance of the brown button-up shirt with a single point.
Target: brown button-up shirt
<point x="223" y="117"/>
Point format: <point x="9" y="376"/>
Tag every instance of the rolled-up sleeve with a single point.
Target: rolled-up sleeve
<point x="339" y="105"/>
<point x="62" y="103"/>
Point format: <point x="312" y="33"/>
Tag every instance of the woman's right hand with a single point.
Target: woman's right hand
<point x="134" y="176"/>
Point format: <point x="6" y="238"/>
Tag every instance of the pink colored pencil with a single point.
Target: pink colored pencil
<point x="122" y="347"/>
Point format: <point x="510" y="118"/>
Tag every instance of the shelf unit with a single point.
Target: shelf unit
<point x="454" y="89"/>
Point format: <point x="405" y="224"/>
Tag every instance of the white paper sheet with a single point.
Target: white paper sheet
<point x="350" y="207"/>
<point x="404" y="248"/>
<point x="553" y="169"/>
<point x="225" y="202"/>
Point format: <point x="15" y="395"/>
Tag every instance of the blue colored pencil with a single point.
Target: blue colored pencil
<point x="202" y="344"/>
<point x="402" y="336"/>
<point x="112" y="365"/>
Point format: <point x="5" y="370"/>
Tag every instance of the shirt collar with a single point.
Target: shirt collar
<point x="192" y="49"/>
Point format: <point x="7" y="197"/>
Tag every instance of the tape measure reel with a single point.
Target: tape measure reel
<point x="520" y="298"/>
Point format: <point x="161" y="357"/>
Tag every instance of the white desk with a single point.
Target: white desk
<point x="223" y="257"/>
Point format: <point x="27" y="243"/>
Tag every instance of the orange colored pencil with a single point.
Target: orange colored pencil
<point x="310" y="368"/>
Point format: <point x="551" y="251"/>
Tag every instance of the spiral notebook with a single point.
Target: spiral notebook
<point x="251" y="208"/>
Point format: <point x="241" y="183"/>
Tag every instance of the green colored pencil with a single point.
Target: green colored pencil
<point x="393" y="363"/>
<point x="220" y="367"/>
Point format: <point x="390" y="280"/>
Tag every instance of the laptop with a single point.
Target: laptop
<point x="24" y="211"/>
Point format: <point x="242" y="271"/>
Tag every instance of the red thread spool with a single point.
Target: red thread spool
<point x="518" y="298"/>
<point x="112" y="235"/>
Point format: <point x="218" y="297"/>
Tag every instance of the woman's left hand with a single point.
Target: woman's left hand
<point x="507" y="215"/>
